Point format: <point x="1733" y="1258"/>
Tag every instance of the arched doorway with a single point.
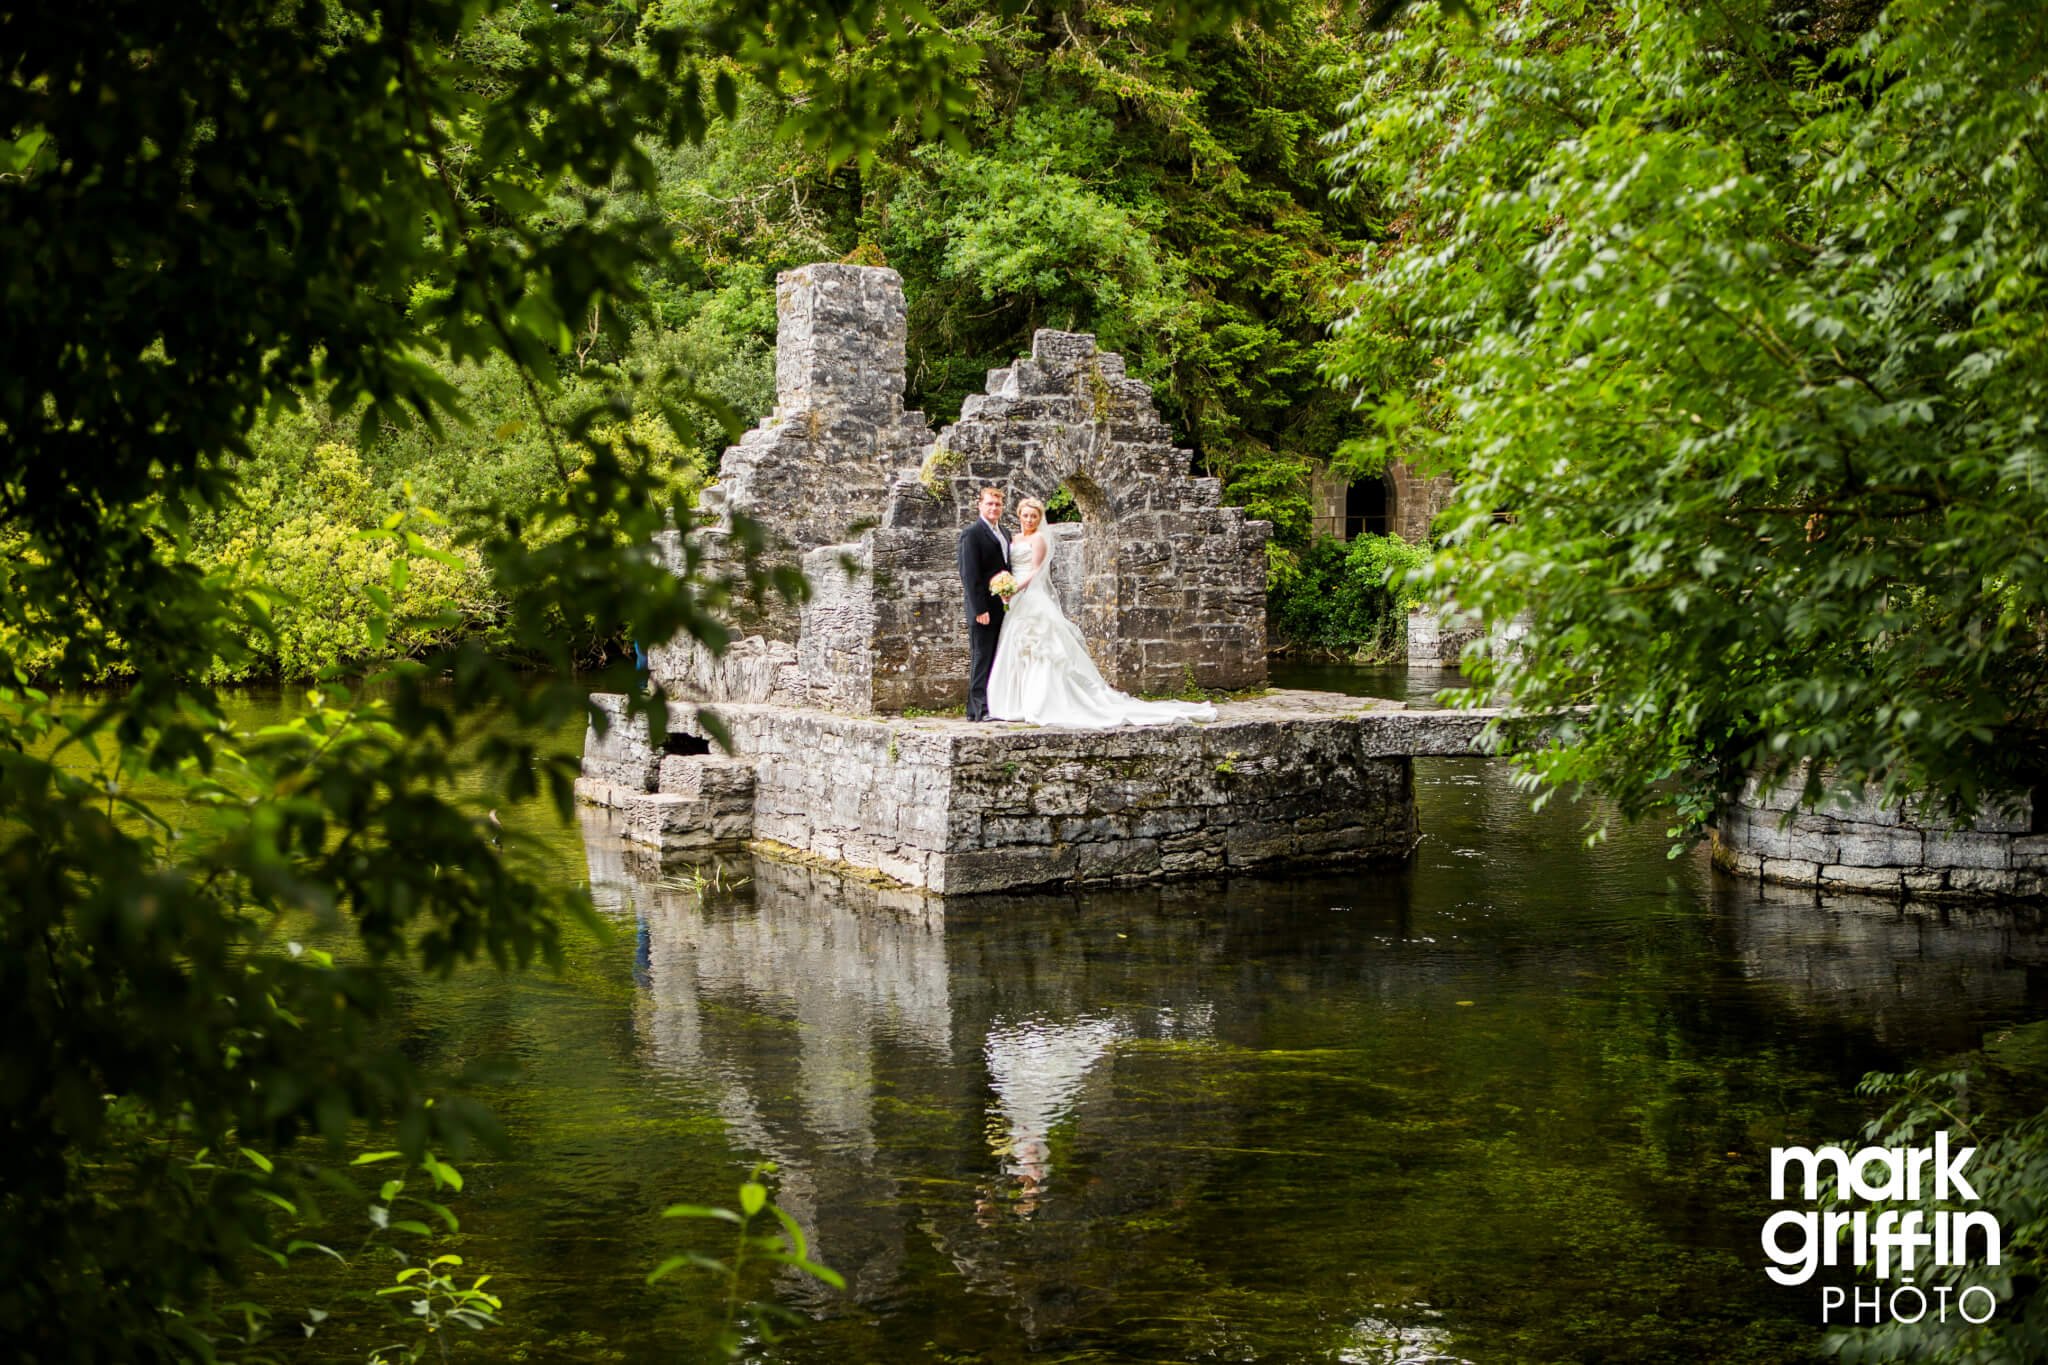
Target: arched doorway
<point x="1368" y="508"/>
<point x="1085" y="569"/>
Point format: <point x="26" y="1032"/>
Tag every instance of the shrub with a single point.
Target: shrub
<point x="1337" y="598"/>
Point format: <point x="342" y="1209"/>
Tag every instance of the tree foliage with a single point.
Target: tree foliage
<point x="1349" y="599"/>
<point x="265" y="261"/>
<point x="213" y="213"/>
<point x="1738" y="309"/>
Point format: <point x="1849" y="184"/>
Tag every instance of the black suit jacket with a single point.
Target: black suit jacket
<point x="981" y="558"/>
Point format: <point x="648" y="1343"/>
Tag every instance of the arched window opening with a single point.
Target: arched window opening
<point x="1365" y="508"/>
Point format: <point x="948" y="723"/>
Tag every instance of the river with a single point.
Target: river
<point x="1512" y="1101"/>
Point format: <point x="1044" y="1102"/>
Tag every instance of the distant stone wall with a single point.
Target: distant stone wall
<point x="951" y="806"/>
<point x="1861" y="846"/>
<point x="1416" y="500"/>
<point x="1437" y="639"/>
<point x="1436" y="642"/>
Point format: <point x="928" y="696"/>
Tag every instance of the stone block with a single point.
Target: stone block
<point x="1788" y="873"/>
<point x="1878" y="846"/>
<point x="1117" y="860"/>
<point x="1740" y="862"/>
<point x="1866" y="880"/>
<point x="604" y="795"/>
<point x="1967" y="849"/>
<point x="910" y="866"/>
<point x="706" y="776"/>
<point x="637" y="774"/>
<point x="2030" y="853"/>
<point x="678" y="823"/>
<point x="1003" y="869"/>
<point x="1983" y="881"/>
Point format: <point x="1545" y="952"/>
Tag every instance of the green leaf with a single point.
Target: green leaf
<point x="699" y="1211"/>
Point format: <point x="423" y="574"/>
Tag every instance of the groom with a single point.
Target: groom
<point x="984" y="553"/>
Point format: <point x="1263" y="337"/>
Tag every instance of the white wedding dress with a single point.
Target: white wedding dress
<point x="1042" y="671"/>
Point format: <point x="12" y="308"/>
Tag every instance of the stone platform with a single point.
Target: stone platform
<point x="947" y="805"/>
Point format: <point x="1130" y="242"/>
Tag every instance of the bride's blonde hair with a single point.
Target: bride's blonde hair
<point x="1031" y="502"/>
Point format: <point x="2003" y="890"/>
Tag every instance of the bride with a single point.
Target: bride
<point x="1042" y="671"/>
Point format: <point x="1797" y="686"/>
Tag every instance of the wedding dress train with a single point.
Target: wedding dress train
<point x="1042" y="671"/>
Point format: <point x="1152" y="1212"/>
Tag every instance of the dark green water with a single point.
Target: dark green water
<point x="1509" y="1102"/>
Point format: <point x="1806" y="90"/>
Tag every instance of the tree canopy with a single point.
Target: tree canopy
<point x="1737" y="313"/>
<point x="208" y="215"/>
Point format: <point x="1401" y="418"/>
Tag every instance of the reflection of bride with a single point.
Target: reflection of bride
<point x="1042" y="671"/>
<point x="1037" y="1071"/>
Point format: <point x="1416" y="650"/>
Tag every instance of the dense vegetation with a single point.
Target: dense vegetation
<point x="1104" y="172"/>
<point x="1740" y="311"/>
<point x="219" y="217"/>
<point x="392" y="333"/>
<point x="352" y="331"/>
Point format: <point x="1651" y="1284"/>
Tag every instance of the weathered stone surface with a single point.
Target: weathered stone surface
<point x="621" y="756"/>
<point x="1165" y="583"/>
<point x="820" y="465"/>
<point x="1435" y="641"/>
<point x="723" y="779"/>
<point x="952" y="806"/>
<point x="1854" y="843"/>
<point x="680" y="823"/>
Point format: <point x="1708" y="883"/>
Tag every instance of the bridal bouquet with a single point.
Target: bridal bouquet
<point x="1003" y="586"/>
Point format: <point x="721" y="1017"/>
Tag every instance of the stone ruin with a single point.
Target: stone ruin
<point x="1167" y="584"/>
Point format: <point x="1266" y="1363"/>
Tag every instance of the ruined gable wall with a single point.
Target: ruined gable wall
<point x="818" y="467"/>
<point x="1167" y="585"/>
<point x="1171" y="585"/>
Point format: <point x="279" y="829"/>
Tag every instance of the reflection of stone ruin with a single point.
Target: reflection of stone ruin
<point x="1167" y="585"/>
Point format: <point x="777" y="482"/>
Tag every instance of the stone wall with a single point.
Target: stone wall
<point x="1416" y="500"/>
<point x="1294" y="778"/>
<point x="821" y="463"/>
<point x="1437" y="639"/>
<point x="1860" y="846"/>
<point x="1413" y="501"/>
<point x="1167" y="584"/>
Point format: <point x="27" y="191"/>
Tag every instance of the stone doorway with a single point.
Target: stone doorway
<point x="1084" y="568"/>
<point x="1368" y="507"/>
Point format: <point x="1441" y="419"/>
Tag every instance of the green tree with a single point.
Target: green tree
<point x="1739" y="311"/>
<point x="1164" y="192"/>
<point x="211" y="212"/>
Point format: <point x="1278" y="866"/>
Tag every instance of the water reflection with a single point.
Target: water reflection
<point x="1904" y="972"/>
<point x="1228" y="1119"/>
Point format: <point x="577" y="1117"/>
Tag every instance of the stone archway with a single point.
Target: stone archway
<point x="1085" y="571"/>
<point x="1173" y="583"/>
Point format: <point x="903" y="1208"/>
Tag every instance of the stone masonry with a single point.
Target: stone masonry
<point x="1166" y="583"/>
<point x="1292" y="778"/>
<point x="1860" y="846"/>
<point x="822" y="462"/>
